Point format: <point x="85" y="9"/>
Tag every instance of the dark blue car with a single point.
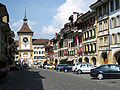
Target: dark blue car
<point x="106" y="71"/>
<point x="67" y="68"/>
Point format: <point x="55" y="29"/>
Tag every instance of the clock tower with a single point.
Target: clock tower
<point x="25" y="49"/>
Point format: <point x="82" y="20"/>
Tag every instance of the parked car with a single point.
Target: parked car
<point x="106" y="71"/>
<point x="59" y="67"/>
<point x="52" y="66"/>
<point x="84" y="68"/>
<point x="75" y="66"/>
<point x="49" y="66"/>
<point x="67" y="68"/>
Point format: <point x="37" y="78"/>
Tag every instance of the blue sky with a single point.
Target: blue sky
<point x="45" y="17"/>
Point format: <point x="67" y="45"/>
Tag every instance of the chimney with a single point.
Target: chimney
<point x="75" y="14"/>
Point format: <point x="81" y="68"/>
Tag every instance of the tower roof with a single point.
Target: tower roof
<point x="25" y="18"/>
<point x="25" y="29"/>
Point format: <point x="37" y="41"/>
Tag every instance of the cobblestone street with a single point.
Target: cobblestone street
<point x="40" y="79"/>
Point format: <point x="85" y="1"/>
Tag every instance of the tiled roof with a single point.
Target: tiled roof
<point x="25" y="29"/>
<point x="39" y="41"/>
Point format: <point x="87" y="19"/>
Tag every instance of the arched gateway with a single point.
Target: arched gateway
<point x="116" y="57"/>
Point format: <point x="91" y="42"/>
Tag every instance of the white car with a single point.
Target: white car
<point x="84" y="68"/>
<point x="75" y="66"/>
<point x="47" y="66"/>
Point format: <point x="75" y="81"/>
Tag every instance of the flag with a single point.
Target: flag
<point x="77" y="43"/>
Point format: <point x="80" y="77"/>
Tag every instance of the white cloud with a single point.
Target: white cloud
<point x="63" y="13"/>
<point x="67" y="9"/>
<point x="49" y="30"/>
<point x="16" y="26"/>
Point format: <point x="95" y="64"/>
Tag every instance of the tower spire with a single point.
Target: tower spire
<point x="25" y="19"/>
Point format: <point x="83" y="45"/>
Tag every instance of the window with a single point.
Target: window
<point x="85" y="48"/>
<point x="69" y="45"/>
<point x="88" y="48"/>
<point x="37" y="47"/>
<point x="112" y="6"/>
<point x="104" y="9"/>
<point x="90" y="33"/>
<point x="35" y="57"/>
<point x="118" y="37"/>
<point x="42" y="52"/>
<point x="105" y="26"/>
<point x="116" y="4"/>
<point x="91" y="47"/>
<point x="83" y="66"/>
<point x="39" y="52"/>
<point x="114" y="67"/>
<point x="112" y="22"/>
<point x="100" y="11"/>
<point x="114" y="38"/>
<point x="101" y="41"/>
<point x="100" y="26"/>
<point x="106" y="41"/>
<point x="118" y="20"/>
<point x="35" y="52"/>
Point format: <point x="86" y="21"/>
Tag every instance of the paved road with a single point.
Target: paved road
<point x="40" y="79"/>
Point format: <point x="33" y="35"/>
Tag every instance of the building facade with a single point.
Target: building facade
<point x="108" y="30"/>
<point x="114" y="27"/>
<point x="89" y="41"/>
<point x="6" y="39"/>
<point x="39" y="50"/>
<point x="100" y="32"/>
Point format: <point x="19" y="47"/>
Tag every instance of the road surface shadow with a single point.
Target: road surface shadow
<point x="25" y="79"/>
<point x="93" y="78"/>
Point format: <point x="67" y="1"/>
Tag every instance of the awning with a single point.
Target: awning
<point x="69" y="59"/>
<point x="44" y="60"/>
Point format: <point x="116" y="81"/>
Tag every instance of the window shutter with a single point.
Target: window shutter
<point x="110" y="40"/>
<point x="114" y="22"/>
<point x="115" y="38"/>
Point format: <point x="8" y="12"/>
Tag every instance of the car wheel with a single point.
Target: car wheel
<point x="100" y="76"/>
<point x="66" y="70"/>
<point x="58" y="70"/>
<point x="79" y="72"/>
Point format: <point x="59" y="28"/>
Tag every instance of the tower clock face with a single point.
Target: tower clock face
<point x="25" y="39"/>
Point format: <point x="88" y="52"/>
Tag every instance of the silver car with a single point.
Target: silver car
<point x="84" y="68"/>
